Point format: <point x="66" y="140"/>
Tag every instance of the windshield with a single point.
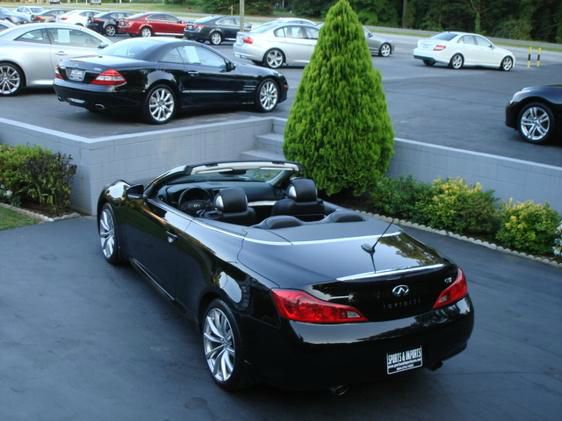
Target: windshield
<point x="445" y="36"/>
<point x="255" y="174"/>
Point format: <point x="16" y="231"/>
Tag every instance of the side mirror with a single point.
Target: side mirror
<point x="230" y="66"/>
<point x="491" y="46"/>
<point x="102" y="45"/>
<point x="370" y="34"/>
<point x="135" y="192"/>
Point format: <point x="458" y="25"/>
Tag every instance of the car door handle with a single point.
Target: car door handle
<point x="171" y="236"/>
<point x="193" y="73"/>
<point x="60" y="53"/>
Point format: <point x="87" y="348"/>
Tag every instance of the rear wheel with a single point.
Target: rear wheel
<point x="108" y="233"/>
<point x="456" y="62"/>
<point x="215" y="38"/>
<point x="274" y="58"/>
<point x="506" y="64"/>
<point x="110" y="30"/>
<point x="159" y="105"/>
<point x="146" y="32"/>
<point x="536" y="123"/>
<point x="11" y="79"/>
<point x="385" y="50"/>
<point x="268" y="96"/>
<point x="223" y="347"/>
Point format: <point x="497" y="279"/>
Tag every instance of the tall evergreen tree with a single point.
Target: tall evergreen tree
<point x="339" y="127"/>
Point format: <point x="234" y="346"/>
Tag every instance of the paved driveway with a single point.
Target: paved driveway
<point x="81" y="340"/>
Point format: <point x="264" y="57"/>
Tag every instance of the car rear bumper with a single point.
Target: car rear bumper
<point x="97" y="97"/>
<point x="433" y="56"/>
<point x="304" y="355"/>
<point x="196" y="35"/>
<point x="248" y="52"/>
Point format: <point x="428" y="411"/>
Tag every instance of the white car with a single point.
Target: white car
<point x="459" y="49"/>
<point x="29" y="11"/>
<point x="77" y="17"/>
<point x="5" y="24"/>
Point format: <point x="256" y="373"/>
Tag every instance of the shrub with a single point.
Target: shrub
<point x="36" y="175"/>
<point x="528" y="226"/>
<point x="399" y="197"/>
<point x="557" y="249"/>
<point x="339" y="127"/>
<point x="455" y="206"/>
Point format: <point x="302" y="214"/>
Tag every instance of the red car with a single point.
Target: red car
<point x="149" y="24"/>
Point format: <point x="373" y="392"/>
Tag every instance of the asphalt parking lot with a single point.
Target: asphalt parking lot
<point x="81" y="339"/>
<point x="462" y="109"/>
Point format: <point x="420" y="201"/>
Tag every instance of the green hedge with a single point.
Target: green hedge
<point x="31" y="174"/>
<point x="456" y="206"/>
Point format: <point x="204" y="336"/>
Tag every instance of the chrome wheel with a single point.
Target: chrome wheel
<point x="219" y="346"/>
<point x="216" y="38"/>
<point x="146" y="32"/>
<point x="107" y="233"/>
<point x="535" y="123"/>
<point x="110" y="30"/>
<point x="268" y="95"/>
<point x="274" y="59"/>
<point x="10" y="79"/>
<point x="385" y="50"/>
<point x="161" y="104"/>
<point x="507" y="64"/>
<point x="457" y="61"/>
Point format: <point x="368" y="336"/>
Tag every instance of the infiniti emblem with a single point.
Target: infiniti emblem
<point x="400" y="290"/>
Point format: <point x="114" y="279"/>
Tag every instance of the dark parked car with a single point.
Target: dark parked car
<point x="536" y="113"/>
<point x="214" y="29"/>
<point x="160" y="76"/>
<point x="285" y="287"/>
<point x="149" y="24"/>
<point x="48" y="15"/>
<point x="106" y="23"/>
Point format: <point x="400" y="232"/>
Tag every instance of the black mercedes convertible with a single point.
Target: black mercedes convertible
<point x="286" y="288"/>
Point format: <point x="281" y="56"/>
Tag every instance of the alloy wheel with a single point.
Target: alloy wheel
<point x="535" y="123"/>
<point x="107" y="233"/>
<point x="385" y="50"/>
<point x="146" y="32"/>
<point x="274" y="59"/>
<point x="10" y="79"/>
<point x="110" y="30"/>
<point x="216" y="38"/>
<point x="456" y="61"/>
<point x="507" y="64"/>
<point x="161" y="104"/>
<point x="219" y="345"/>
<point x="268" y="95"/>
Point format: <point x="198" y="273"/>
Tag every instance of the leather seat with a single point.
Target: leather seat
<point x="302" y="201"/>
<point x="279" y="221"/>
<point x="344" y="216"/>
<point x="232" y="206"/>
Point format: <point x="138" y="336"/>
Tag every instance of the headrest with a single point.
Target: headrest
<point x="231" y="200"/>
<point x="279" y="221"/>
<point x="302" y="190"/>
<point x="344" y="216"/>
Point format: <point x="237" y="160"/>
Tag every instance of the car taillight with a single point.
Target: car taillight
<point x="248" y="40"/>
<point x="439" y="47"/>
<point x="302" y="307"/>
<point x="58" y="74"/>
<point x="109" y="78"/>
<point x="63" y="18"/>
<point x="454" y="292"/>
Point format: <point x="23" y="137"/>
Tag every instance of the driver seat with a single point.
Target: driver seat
<point x="232" y="206"/>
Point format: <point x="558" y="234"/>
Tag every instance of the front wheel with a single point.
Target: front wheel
<point x="536" y="123"/>
<point x="160" y="105"/>
<point x="11" y="79"/>
<point x="215" y="38"/>
<point x="268" y="96"/>
<point x="274" y="58"/>
<point x="223" y="347"/>
<point x="108" y="233"/>
<point x="110" y="30"/>
<point x="506" y="64"/>
<point x="456" y="62"/>
<point x="385" y="50"/>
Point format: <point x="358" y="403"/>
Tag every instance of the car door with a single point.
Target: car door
<point x="293" y="40"/>
<point x="172" y="62"/>
<point x="71" y="43"/>
<point x="229" y="26"/>
<point x="38" y="46"/>
<point x="466" y="45"/>
<point x="486" y="53"/>
<point x="209" y="81"/>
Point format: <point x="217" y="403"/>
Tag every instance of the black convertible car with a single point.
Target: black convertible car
<point x="536" y="113"/>
<point x="284" y="287"/>
<point x="160" y="76"/>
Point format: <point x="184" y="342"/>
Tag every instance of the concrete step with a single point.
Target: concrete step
<point x="260" y="154"/>
<point x="272" y="142"/>
<point x="279" y="125"/>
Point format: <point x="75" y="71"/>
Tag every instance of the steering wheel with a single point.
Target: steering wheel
<point x="194" y="201"/>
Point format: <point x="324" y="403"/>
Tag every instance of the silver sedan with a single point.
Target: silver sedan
<point x="378" y="45"/>
<point x="29" y="53"/>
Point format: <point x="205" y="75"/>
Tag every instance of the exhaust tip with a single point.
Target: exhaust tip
<point x="60" y="98"/>
<point x="339" y="390"/>
<point x="436" y="366"/>
<point x="99" y="107"/>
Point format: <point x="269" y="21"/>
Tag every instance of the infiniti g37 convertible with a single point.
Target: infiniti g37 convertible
<point x="284" y="287"/>
<point x="158" y="77"/>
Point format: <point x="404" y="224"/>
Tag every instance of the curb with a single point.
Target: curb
<point x="486" y="244"/>
<point x="40" y="217"/>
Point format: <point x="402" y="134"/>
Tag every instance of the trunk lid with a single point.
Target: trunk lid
<point x="85" y="69"/>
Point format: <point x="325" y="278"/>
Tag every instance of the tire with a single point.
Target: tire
<point x="457" y="61"/>
<point x="267" y="96"/>
<point x="385" y="50"/>
<point x="536" y="123"/>
<point x="12" y="79"/>
<point x="428" y="63"/>
<point x="274" y="58"/>
<point x="110" y="30"/>
<point x="215" y="38"/>
<point x="506" y="64"/>
<point x="160" y="105"/>
<point x="223" y="348"/>
<point x="109" y="235"/>
<point x="145" y="32"/>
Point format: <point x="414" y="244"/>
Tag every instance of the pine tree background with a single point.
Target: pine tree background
<point x="339" y="127"/>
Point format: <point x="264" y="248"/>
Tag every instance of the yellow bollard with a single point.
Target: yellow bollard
<point x="539" y="57"/>
<point x="529" y="58"/>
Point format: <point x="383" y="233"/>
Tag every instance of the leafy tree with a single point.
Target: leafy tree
<point x="225" y="6"/>
<point x="339" y="127"/>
